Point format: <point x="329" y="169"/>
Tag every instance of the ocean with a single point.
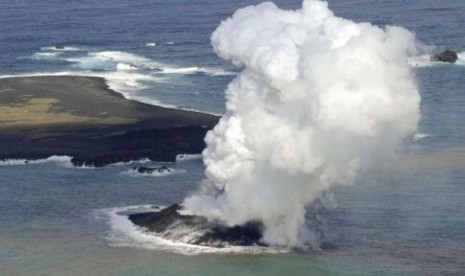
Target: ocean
<point x="405" y="218"/>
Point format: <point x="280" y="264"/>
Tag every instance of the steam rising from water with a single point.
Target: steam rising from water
<point x="319" y="98"/>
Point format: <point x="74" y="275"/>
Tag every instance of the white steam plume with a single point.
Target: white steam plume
<point x="320" y="97"/>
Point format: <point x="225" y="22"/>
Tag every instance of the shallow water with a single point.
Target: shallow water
<point x="405" y="217"/>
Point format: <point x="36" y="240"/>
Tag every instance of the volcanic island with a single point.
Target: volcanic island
<point x="81" y="117"/>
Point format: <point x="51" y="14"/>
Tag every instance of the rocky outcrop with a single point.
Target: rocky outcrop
<point x="154" y="144"/>
<point x="446" y="56"/>
<point x="148" y="170"/>
<point x="170" y="224"/>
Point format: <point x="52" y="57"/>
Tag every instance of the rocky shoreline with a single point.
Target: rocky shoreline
<point x="170" y="224"/>
<point x="82" y="118"/>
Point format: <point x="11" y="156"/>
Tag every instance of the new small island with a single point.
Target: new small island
<point x="81" y="117"/>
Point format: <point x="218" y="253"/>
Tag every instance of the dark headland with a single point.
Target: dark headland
<point x="82" y="118"/>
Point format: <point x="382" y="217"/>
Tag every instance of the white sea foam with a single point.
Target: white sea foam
<point x="42" y="74"/>
<point x="216" y="71"/>
<point x="169" y="172"/>
<point x="425" y="61"/>
<point x="123" y="233"/>
<point x="118" y="60"/>
<point x="124" y="66"/>
<point x="60" y="49"/>
<point x="187" y="157"/>
<point x="140" y="161"/>
<point x="125" y="73"/>
<point x="44" y="55"/>
<point x="120" y="69"/>
<point x="111" y="60"/>
<point x="125" y="57"/>
<point x="89" y="63"/>
<point x="195" y="70"/>
<point x="61" y="159"/>
<point x="186" y="70"/>
<point x="125" y="83"/>
<point x="461" y="57"/>
<point x="169" y="43"/>
<point x="152" y="101"/>
<point x="151" y="44"/>
<point x="419" y="136"/>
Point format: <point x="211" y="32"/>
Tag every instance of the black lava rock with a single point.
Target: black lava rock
<point x="170" y="224"/>
<point x="148" y="170"/>
<point x="446" y="56"/>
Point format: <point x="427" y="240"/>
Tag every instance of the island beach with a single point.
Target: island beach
<point x="81" y="117"/>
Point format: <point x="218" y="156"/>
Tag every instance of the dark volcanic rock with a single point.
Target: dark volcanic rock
<point x="169" y="224"/>
<point x="82" y="118"/>
<point x="154" y="144"/>
<point x="446" y="56"/>
<point x="148" y="170"/>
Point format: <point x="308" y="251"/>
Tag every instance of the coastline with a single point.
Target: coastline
<point x="108" y="82"/>
<point x="82" y="117"/>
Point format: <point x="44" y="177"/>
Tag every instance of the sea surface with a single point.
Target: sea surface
<point x="407" y="217"/>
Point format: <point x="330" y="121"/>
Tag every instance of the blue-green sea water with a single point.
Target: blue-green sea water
<point x="407" y="217"/>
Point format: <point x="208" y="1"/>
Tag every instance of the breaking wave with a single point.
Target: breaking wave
<point x="156" y="173"/>
<point x="60" y="48"/>
<point x="196" y="70"/>
<point x="132" y="75"/>
<point x="45" y="55"/>
<point x="118" y="60"/>
<point x="188" y="157"/>
<point x="58" y="160"/>
<point x="64" y="160"/>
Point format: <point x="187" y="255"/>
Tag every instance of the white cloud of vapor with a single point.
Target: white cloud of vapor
<point x="319" y="98"/>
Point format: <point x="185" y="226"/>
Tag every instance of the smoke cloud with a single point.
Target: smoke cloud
<point x="319" y="98"/>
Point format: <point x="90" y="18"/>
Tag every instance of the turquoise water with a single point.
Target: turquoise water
<point x="405" y="217"/>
